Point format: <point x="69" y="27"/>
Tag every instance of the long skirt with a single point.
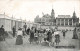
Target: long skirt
<point x="1" y="38"/>
<point x="49" y="39"/>
<point x="57" y="40"/>
<point x="19" y="40"/>
<point x="14" y="33"/>
<point x="64" y="34"/>
<point x="31" y="39"/>
<point x="40" y="38"/>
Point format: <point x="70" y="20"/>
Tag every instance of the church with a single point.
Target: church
<point x="60" y="20"/>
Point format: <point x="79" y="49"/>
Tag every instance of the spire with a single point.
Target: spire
<point x="12" y="17"/>
<point x="4" y="14"/>
<point x="52" y="8"/>
<point x="74" y="8"/>
<point x="74" y="14"/>
<point x="52" y="13"/>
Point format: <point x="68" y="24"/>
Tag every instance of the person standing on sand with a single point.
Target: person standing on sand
<point x="19" y="39"/>
<point x="49" y="37"/>
<point x="25" y="27"/>
<point x="64" y="33"/>
<point x="2" y="32"/>
<point x="31" y="35"/>
<point x="14" y="31"/>
<point x="57" y="37"/>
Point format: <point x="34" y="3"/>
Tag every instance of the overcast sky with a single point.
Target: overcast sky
<point x="29" y="9"/>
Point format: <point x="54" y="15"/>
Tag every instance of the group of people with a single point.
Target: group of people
<point x="35" y="35"/>
<point x="38" y="36"/>
<point x="49" y="36"/>
<point x="25" y="30"/>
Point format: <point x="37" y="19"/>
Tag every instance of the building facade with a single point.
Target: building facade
<point x="66" y="20"/>
<point x="61" y="20"/>
<point x="47" y="20"/>
<point x="10" y="22"/>
<point x="5" y="21"/>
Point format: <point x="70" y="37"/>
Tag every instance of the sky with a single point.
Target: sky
<point x="29" y="9"/>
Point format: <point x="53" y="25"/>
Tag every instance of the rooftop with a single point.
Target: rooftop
<point x="46" y="15"/>
<point x="10" y="18"/>
<point x="4" y="16"/>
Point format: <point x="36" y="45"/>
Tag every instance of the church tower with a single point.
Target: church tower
<point x="75" y="19"/>
<point x="52" y="14"/>
<point x="53" y="17"/>
<point x="74" y="15"/>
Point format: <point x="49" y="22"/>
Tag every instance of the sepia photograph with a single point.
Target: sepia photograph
<point x="39" y="25"/>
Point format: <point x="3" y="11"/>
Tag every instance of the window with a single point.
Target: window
<point x="66" y="21"/>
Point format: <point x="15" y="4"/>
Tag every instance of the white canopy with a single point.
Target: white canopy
<point x="56" y="33"/>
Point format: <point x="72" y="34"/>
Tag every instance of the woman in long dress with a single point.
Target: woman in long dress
<point x="36" y="35"/>
<point x="31" y="35"/>
<point x="40" y="37"/>
<point x="57" y="37"/>
<point x="75" y="36"/>
<point x="64" y="33"/>
<point x="53" y="39"/>
<point x="19" y="39"/>
<point x="49" y="37"/>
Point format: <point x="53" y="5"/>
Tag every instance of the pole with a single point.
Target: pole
<point x="4" y="20"/>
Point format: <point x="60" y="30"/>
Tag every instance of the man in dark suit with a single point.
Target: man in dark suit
<point x="14" y="31"/>
<point x="25" y="27"/>
<point x="2" y="32"/>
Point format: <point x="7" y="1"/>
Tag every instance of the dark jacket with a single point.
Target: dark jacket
<point x="2" y="31"/>
<point x="49" y="34"/>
